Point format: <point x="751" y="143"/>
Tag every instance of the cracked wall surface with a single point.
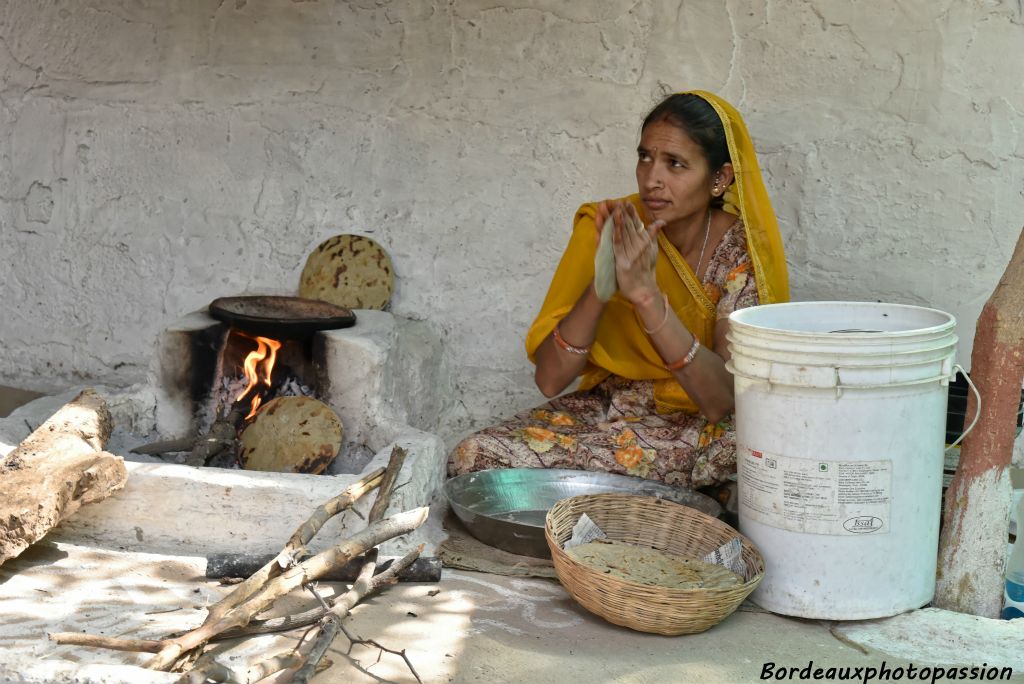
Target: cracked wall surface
<point x="154" y="156"/>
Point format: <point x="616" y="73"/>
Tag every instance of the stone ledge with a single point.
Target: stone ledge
<point x="384" y="371"/>
<point x="186" y="511"/>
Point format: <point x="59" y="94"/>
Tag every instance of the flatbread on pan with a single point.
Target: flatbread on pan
<point x="291" y="435"/>
<point x="351" y="271"/>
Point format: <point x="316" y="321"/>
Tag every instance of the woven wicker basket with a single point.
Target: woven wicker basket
<point x="666" y="526"/>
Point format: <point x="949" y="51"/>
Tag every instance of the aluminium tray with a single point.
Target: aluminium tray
<point x="505" y="507"/>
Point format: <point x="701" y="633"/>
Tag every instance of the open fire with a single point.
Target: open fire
<point x="258" y="367"/>
<point x="234" y="381"/>
<point x="253" y="369"/>
<point x="201" y="373"/>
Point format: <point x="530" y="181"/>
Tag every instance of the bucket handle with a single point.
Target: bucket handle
<point x="977" y="409"/>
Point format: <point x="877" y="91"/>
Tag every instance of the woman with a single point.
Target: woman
<point x="698" y="241"/>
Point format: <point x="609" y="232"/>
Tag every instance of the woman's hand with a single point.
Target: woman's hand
<point x="636" y="252"/>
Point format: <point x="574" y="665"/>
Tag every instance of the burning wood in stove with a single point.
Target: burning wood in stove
<point x="253" y="373"/>
<point x="220" y="440"/>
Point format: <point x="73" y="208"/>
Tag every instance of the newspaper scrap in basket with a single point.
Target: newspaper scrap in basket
<point x="583" y="532"/>
<point x="728" y="555"/>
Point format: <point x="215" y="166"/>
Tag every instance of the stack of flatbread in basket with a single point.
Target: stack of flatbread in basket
<point x="652" y="567"/>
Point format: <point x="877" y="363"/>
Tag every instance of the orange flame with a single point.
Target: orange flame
<point x="253" y="362"/>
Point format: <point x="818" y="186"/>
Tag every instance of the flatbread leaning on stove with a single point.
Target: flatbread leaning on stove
<point x="351" y="271"/>
<point x="291" y="435"/>
<point x="652" y="567"/>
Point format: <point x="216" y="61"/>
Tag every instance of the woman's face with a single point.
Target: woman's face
<point x="672" y="174"/>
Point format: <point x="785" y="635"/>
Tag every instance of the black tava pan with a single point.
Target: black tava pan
<point x="280" y="317"/>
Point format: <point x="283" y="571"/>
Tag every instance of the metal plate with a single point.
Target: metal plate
<point x="284" y="317"/>
<point x="506" y="507"/>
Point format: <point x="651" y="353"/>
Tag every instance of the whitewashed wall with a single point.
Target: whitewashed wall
<point x="156" y="155"/>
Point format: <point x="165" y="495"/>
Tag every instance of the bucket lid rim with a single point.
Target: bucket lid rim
<point x="736" y="320"/>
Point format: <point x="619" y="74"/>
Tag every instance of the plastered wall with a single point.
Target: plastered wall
<point x="155" y="155"/>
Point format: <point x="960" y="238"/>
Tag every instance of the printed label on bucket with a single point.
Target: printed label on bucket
<point x="815" y="496"/>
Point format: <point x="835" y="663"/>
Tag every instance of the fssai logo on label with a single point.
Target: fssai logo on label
<point x="863" y="524"/>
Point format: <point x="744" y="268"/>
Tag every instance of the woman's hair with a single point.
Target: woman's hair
<point x="699" y="120"/>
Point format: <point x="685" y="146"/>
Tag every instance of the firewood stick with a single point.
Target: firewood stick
<point x="366" y="585"/>
<point x="220" y="673"/>
<point x="384" y="649"/>
<point x="168" y="446"/>
<point x="306" y="571"/>
<point x="387" y="485"/>
<point x="381" y="503"/>
<point x="267" y="667"/>
<point x="331" y="508"/>
<point x="223" y="565"/>
<point x="296" y="620"/>
<point x="222" y="435"/>
<point x="114" y="644"/>
<point x="369" y="563"/>
<point x="328" y="629"/>
<point x="210" y="670"/>
<point x="171" y="649"/>
<point x="295" y="545"/>
<point x="313" y="568"/>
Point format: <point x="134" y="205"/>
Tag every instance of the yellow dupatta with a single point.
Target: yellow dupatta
<point x="621" y="346"/>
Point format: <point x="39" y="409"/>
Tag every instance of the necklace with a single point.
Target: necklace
<point x="707" y="232"/>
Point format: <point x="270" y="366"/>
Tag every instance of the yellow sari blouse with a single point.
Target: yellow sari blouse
<point x="621" y="347"/>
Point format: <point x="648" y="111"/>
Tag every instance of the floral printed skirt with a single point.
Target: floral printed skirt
<point x="611" y="428"/>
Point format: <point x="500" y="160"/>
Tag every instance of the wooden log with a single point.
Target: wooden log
<point x="222" y="565"/>
<point x="223" y="435"/>
<point x="972" y="546"/>
<point x="57" y="469"/>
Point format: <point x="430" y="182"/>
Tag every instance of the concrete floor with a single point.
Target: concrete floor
<point x="470" y="627"/>
<point x="476" y="628"/>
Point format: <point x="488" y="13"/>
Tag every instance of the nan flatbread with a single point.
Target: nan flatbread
<point x="652" y="567"/>
<point x="351" y="271"/>
<point x="291" y="435"/>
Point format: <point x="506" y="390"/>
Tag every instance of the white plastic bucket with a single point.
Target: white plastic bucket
<point x="840" y="426"/>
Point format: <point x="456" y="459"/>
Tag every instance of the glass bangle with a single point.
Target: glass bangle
<point x="560" y="341"/>
<point x="685" y="361"/>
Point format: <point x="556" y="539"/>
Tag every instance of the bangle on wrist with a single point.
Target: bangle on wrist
<point x="560" y="341"/>
<point x="664" y="320"/>
<point x="685" y="361"/>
